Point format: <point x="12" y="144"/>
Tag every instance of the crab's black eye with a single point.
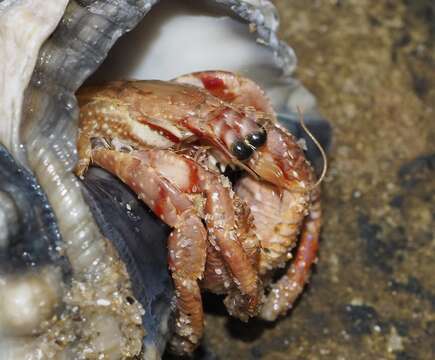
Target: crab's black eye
<point x="241" y="150"/>
<point x="256" y="139"/>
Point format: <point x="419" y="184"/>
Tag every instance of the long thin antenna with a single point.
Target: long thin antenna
<point x="322" y="151"/>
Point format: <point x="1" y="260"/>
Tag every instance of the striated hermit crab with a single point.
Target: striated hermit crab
<point x="172" y="143"/>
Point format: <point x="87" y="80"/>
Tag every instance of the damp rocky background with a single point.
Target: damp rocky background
<point x="371" y="65"/>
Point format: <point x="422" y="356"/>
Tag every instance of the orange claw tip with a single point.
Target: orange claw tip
<point x="269" y="170"/>
<point x="266" y="168"/>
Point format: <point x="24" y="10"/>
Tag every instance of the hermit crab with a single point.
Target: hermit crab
<point x="171" y="142"/>
<point x="210" y="189"/>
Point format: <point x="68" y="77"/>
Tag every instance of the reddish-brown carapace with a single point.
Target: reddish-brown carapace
<point x="174" y="143"/>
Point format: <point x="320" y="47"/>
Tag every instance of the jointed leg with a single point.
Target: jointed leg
<point x="288" y="288"/>
<point x="186" y="244"/>
<point x="162" y="179"/>
<point x="232" y="88"/>
<point x="186" y="262"/>
<point x="278" y="218"/>
<point x="278" y="214"/>
<point x="230" y="236"/>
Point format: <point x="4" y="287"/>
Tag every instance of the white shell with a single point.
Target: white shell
<point x="183" y="37"/>
<point x="24" y="26"/>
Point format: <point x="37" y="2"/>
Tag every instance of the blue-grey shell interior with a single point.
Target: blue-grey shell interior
<point x="35" y="240"/>
<point x="140" y="238"/>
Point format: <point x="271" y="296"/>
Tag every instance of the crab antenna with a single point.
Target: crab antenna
<point x="322" y="151"/>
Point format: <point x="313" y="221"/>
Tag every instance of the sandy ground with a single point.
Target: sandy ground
<point x="371" y="65"/>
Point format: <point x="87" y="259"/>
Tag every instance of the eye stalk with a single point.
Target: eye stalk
<point x="241" y="150"/>
<point x="257" y="139"/>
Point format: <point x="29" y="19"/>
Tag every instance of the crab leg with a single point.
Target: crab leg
<point x="187" y="242"/>
<point x="279" y="210"/>
<point x="278" y="217"/>
<point x="190" y="178"/>
<point x="231" y="88"/>
<point x="186" y="269"/>
<point x="217" y="279"/>
<point x="225" y="231"/>
<point x="286" y="290"/>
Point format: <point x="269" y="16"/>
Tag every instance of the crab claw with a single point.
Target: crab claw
<point x="281" y="161"/>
